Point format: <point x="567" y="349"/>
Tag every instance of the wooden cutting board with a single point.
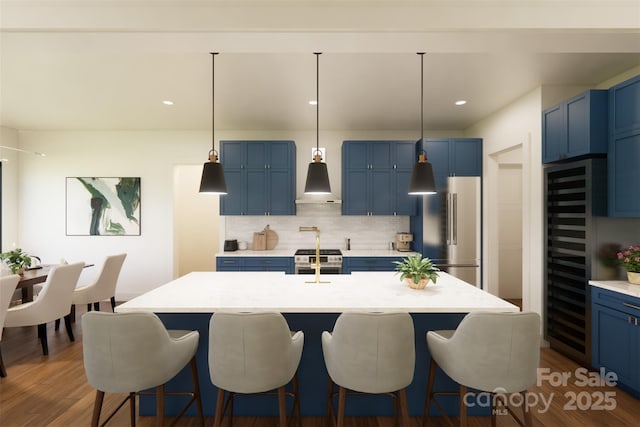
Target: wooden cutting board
<point x="272" y="238"/>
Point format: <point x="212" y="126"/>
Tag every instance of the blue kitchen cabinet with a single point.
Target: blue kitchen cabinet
<point x="453" y="157"/>
<point x="260" y="177"/>
<point x="624" y="149"/>
<point x="615" y="319"/>
<point x="229" y="263"/>
<point x="351" y="264"/>
<point x="448" y="157"/>
<point x="575" y="127"/>
<point x="265" y="263"/>
<point x="376" y="178"/>
<point x="269" y="264"/>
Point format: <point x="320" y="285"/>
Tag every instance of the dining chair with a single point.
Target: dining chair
<point x="53" y="302"/>
<point x="251" y="353"/>
<point x="132" y="352"/>
<point x="105" y="285"/>
<point x="369" y="353"/>
<point x="496" y="353"/>
<point x="8" y="285"/>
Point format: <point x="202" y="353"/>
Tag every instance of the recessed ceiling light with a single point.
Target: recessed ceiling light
<point x="167" y="102"/>
<point x="313" y="102"/>
<point x="461" y="102"/>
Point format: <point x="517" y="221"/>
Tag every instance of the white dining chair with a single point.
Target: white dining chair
<point x="370" y="353"/>
<point x="496" y="353"/>
<point x="8" y="285"/>
<point x="105" y="285"/>
<point x="132" y="352"/>
<point x="53" y="302"/>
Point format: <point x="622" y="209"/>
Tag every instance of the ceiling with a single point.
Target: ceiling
<point x="109" y="65"/>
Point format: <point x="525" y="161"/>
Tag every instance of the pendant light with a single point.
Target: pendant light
<point x="422" y="181"/>
<point x="212" y="181"/>
<point x="317" y="175"/>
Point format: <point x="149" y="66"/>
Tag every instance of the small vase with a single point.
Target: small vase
<point x="634" y="278"/>
<point x="20" y="271"/>
<point x="420" y="285"/>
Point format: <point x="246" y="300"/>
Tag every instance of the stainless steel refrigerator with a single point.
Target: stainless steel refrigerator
<point x="451" y="228"/>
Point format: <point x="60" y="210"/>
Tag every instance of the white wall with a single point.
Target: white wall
<point x="517" y="124"/>
<point x="151" y="155"/>
<point x="9" y="138"/>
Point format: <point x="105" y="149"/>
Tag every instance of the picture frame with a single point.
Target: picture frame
<point x="103" y="206"/>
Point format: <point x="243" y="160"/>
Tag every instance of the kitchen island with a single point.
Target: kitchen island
<point x="189" y="301"/>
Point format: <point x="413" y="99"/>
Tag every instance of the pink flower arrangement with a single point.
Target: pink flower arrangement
<point x="630" y="258"/>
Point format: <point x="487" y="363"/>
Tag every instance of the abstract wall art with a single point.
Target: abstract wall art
<point x="103" y="206"/>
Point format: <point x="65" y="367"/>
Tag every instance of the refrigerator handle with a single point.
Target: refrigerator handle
<point x="454" y="218"/>
<point x="448" y="219"/>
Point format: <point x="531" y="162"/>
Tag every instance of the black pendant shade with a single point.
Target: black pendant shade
<point x="213" y="178"/>
<point x="422" y="181"/>
<point x="317" y="174"/>
<point x="212" y="181"/>
<point x="317" y="179"/>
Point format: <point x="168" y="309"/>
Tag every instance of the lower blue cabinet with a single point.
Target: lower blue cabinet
<point x="615" y="344"/>
<point x="284" y="264"/>
<point x="351" y="264"/>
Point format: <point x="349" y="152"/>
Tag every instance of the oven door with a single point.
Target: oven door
<point x="323" y="270"/>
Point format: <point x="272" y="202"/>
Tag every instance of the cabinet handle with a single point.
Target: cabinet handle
<point x="631" y="305"/>
<point x="629" y="319"/>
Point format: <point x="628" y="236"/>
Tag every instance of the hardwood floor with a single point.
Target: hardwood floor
<point x="53" y="391"/>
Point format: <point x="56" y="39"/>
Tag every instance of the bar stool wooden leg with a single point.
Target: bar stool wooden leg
<point x="464" y="422"/>
<point x="97" y="407"/>
<point x="427" y="404"/>
<point x="196" y="389"/>
<point x="132" y="406"/>
<point x="342" y="397"/>
<point x="528" y="422"/>
<point x="160" y="406"/>
<point x="404" y="407"/>
<point x="282" y="407"/>
<point x="217" y="422"/>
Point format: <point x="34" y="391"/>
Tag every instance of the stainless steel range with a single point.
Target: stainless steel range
<point x="330" y="261"/>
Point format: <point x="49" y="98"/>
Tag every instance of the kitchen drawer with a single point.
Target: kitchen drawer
<point x="229" y="263"/>
<point x="350" y="264"/>
<point x="617" y="301"/>
<point x="281" y="262"/>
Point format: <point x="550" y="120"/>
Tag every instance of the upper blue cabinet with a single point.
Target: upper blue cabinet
<point x="624" y="149"/>
<point x="260" y="177"/>
<point x="576" y="127"/>
<point x="375" y="178"/>
<point x="453" y="157"/>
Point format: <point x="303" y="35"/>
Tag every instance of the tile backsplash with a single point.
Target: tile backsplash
<point x="365" y="232"/>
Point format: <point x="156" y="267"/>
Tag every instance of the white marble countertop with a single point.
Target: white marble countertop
<point x="291" y="252"/>
<point x="617" y="286"/>
<point x="208" y="292"/>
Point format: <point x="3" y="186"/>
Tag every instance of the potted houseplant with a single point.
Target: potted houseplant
<point x="417" y="271"/>
<point x="630" y="259"/>
<point x="16" y="259"/>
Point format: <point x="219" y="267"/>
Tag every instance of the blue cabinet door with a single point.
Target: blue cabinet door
<point x="351" y="264"/>
<point x="465" y="157"/>
<point x="613" y="346"/>
<point x="624" y="149"/>
<point x="553" y="134"/>
<point x="284" y="264"/>
<point x="260" y="178"/>
<point x="438" y="155"/>
<point x="404" y="157"/>
<point x="624" y="175"/>
<point x="624" y="106"/>
<point x="575" y="127"/>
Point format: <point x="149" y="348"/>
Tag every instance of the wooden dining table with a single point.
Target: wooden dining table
<point x="32" y="277"/>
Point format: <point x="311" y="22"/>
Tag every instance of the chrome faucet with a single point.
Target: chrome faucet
<point x="316" y="265"/>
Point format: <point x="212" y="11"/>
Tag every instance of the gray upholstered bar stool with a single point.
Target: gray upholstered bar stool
<point x="130" y="352"/>
<point x="370" y="353"/>
<point x="496" y="353"/>
<point x="253" y="353"/>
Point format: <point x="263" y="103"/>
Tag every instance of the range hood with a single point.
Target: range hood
<point x="321" y="200"/>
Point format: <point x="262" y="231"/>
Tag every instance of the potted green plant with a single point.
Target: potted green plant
<point x="630" y="259"/>
<point x="417" y="271"/>
<point x="16" y="260"/>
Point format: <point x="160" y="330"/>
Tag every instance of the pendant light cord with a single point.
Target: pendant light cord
<point x="317" y="54"/>
<point x="213" y="104"/>
<point x="421" y="96"/>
